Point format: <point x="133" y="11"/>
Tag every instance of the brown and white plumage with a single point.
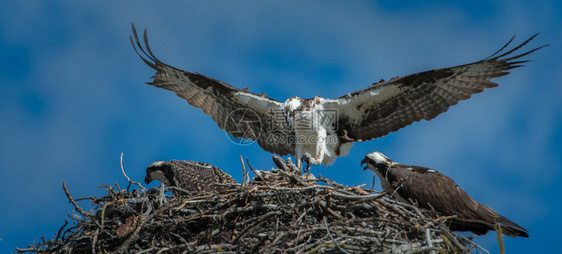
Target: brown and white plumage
<point x="428" y="188"/>
<point x="389" y="106"/>
<point x="220" y="101"/>
<point x="363" y="115"/>
<point x="192" y="176"/>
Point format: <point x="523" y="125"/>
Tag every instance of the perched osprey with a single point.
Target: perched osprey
<point x="319" y="130"/>
<point x="427" y="188"/>
<point x="189" y="175"/>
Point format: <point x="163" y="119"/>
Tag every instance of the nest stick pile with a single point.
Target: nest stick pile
<point x="288" y="214"/>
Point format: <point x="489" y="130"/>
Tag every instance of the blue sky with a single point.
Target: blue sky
<point x="72" y="96"/>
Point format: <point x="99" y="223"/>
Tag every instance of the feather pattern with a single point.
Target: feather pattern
<point x="389" y="106"/>
<point x="363" y="115"/>
<point x="430" y="189"/>
<point x="228" y="106"/>
<point x="191" y="176"/>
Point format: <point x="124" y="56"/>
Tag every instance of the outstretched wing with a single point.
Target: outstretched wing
<point x="388" y="106"/>
<point x="238" y="112"/>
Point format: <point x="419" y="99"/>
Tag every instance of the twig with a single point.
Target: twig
<point x="452" y="238"/>
<point x="500" y="238"/>
<point x="95" y="240"/>
<point x="253" y="171"/>
<point x="103" y="213"/>
<point x="250" y="165"/>
<point x="428" y="240"/>
<point x="125" y="245"/>
<point x="78" y="208"/>
<point x="473" y="243"/>
<point x="61" y="228"/>
<point x="293" y="177"/>
<point x="129" y="179"/>
<point x="244" y="173"/>
<point x="175" y="188"/>
<point x="331" y="237"/>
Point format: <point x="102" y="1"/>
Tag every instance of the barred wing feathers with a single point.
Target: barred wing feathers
<point x="389" y="106"/>
<point x="238" y="112"/>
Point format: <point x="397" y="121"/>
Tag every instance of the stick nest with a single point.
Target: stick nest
<point x="287" y="213"/>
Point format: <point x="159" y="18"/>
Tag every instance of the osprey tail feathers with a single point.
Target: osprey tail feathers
<point x="511" y="228"/>
<point x="508" y="227"/>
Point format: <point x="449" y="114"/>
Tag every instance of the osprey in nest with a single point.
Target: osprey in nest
<point x="190" y="176"/>
<point x="318" y="130"/>
<point x="429" y="189"/>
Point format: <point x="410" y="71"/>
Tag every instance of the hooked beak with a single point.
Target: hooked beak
<point x="364" y="161"/>
<point x="147" y="179"/>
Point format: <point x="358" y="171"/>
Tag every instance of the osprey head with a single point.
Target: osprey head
<point x="377" y="161"/>
<point x="292" y="106"/>
<point x="159" y="170"/>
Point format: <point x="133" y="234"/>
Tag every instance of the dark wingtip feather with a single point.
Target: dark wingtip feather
<point x="138" y="46"/>
<point x="145" y="37"/>
<point x="526" y="53"/>
<point x="502" y="48"/>
<point x="495" y="56"/>
<point x="518" y="47"/>
<point x="511" y="228"/>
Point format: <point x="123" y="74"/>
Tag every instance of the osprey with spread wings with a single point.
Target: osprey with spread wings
<point x="318" y="130"/>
